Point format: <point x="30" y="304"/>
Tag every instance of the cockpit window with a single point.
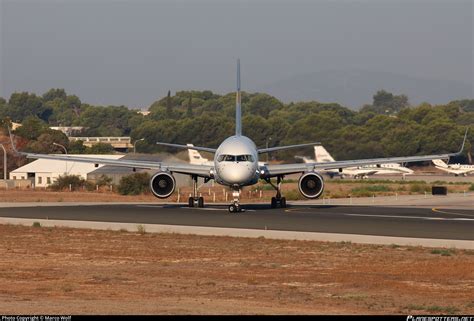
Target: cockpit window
<point x="244" y="158"/>
<point x="226" y="158"/>
<point x="233" y="158"/>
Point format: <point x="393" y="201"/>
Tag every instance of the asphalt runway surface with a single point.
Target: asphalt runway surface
<point x="434" y="223"/>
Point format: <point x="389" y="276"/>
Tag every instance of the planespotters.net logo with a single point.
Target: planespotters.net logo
<point x="439" y="318"/>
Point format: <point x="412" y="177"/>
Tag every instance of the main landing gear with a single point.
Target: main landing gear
<point x="235" y="206"/>
<point x="195" y="201"/>
<point x="278" y="200"/>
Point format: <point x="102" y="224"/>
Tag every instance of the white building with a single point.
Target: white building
<point x="43" y="172"/>
<point x="69" y="130"/>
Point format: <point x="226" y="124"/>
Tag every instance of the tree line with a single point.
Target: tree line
<point x="389" y="126"/>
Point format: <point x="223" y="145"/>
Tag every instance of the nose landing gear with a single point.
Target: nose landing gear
<point x="235" y="206"/>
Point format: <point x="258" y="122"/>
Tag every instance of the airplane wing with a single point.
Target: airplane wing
<point x="204" y="149"/>
<point x="270" y="170"/>
<point x="274" y="149"/>
<point x="285" y="169"/>
<point x="184" y="168"/>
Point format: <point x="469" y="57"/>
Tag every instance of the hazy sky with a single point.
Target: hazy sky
<point x="131" y="52"/>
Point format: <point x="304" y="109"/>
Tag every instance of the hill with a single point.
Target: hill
<point x="355" y="88"/>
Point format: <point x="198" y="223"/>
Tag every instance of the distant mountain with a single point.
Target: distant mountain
<point x="356" y="88"/>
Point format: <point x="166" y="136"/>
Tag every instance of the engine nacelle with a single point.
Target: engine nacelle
<point x="311" y="185"/>
<point x="162" y="184"/>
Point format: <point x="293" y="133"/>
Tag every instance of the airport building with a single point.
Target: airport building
<point x="43" y="172"/>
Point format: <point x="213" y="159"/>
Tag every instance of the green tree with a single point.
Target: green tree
<point x="262" y="105"/>
<point x="54" y="93"/>
<point x="189" y="112"/>
<point x="22" y="105"/>
<point x="100" y="148"/>
<point x="31" y="128"/>
<point x="387" y="103"/>
<point x="169" y="109"/>
<point x="77" y="147"/>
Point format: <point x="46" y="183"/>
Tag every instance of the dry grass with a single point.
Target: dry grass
<point x="64" y="271"/>
<point x="334" y="189"/>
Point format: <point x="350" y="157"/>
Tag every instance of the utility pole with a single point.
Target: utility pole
<point x="5" y="164"/>
<point x="268" y="139"/>
<point x="65" y="151"/>
<point x="135" y="145"/>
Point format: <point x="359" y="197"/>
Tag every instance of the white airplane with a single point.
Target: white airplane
<point x="456" y="169"/>
<point x="323" y="156"/>
<point x="195" y="158"/>
<point x="236" y="165"/>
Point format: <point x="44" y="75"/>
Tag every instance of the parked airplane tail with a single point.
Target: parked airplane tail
<point x="195" y="157"/>
<point x="321" y="155"/>
<point x="439" y="163"/>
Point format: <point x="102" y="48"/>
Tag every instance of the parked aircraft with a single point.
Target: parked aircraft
<point x="323" y="156"/>
<point x="195" y="158"/>
<point x="456" y="169"/>
<point x="236" y="165"/>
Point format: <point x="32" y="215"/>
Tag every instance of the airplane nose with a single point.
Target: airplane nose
<point x="235" y="174"/>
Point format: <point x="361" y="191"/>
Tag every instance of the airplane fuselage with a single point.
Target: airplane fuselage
<point x="236" y="162"/>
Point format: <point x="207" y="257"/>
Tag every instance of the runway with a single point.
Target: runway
<point x="427" y="223"/>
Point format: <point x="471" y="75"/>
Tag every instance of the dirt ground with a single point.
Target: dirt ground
<point x="75" y="271"/>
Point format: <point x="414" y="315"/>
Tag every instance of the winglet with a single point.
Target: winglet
<point x="463" y="142"/>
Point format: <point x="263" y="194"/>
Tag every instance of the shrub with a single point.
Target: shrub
<point x="76" y="183"/>
<point x="134" y="184"/>
<point x="141" y="229"/>
<point x="36" y="224"/>
<point x="373" y="188"/>
<point x="472" y="187"/>
<point x="418" y="188"/>
<point x="370" y="190"/>
<point x="104" y="180"/>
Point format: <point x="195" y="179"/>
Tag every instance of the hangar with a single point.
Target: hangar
<point x="43" y="172"/>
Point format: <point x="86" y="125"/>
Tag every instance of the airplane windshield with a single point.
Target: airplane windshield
<point x="233" y="158"/>
<point x="244" y="158"/>
<point x="226" y="158"/>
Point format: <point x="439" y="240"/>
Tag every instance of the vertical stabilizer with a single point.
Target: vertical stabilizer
<point x="322" y="155"/>
<point x="439" y="163"/>
<point x="195" y="157"/>
<point x="238" y="110"/>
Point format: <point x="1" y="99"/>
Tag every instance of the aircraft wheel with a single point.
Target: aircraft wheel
<point x="283" y="202"/>
<point x="274" y="202"/>
<point x="233" y="208"/>
<point x="191" y="202"/>
<point x="201" y="202"/>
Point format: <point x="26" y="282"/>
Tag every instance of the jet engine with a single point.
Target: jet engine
<point x="162" y="184"/>
<point x="311" y="185"/>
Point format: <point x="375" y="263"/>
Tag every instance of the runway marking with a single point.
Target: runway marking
<point x="203" y="208"/>
<point x="152" y="206"/>
<point x="434" y="209"/>
<point x="428" y="218"/>
<point x="414" y="217"/>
